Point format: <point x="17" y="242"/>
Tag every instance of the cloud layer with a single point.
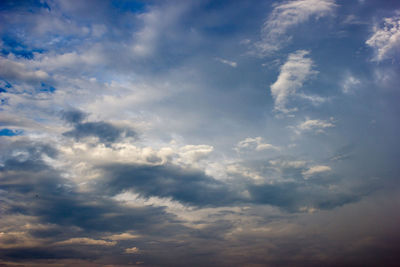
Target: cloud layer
<point x="174" y="133"/>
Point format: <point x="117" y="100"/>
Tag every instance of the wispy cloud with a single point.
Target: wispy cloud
<point x="256" y="143"/>
<point x="315" y="170"/>
<point x="287" y="15"/>
<point x="227" y="62"/>
<point x="86" y="241"/>
<point x="386" y="39"/>
<point x="315" y="126"/>
<point x="293" y="73"/>
<point x="350" y="84"/>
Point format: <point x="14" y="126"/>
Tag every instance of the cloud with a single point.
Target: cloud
<point x="190" y="187"/>
<point x="288" y="163"/>
<point x="105" y="132"/>
<point x="286" y="16"/>
<point x="293" y="73"/>
<point x="86" y="241"/>
<point x="133" y="250"/>
<point x="317" y="126"/>
<point x="350" y="84"/>
<point x="227" y="62"/>
<point x="73" y="116"/>
<point x="157" y="25"/>
<point x="315" y="170"/>
<point x="123" y="236"/>
<point x="255" y="143"/>
<point x="20" y="72"/>
<point x="386" y="40"/>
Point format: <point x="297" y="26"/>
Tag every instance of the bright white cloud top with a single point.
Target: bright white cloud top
<point x="293" y="74"/>
<point x="386" y="39"/>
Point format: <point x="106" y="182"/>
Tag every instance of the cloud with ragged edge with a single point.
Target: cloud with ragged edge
<point x="286" y="16"/>
<point x="293" y="74"/>
<point x="385" y="39"/>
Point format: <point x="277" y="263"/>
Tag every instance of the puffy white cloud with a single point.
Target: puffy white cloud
<point x="315" y="170"/>
<point x="287" y="15"/>
<point x="294" y="72"/>
<point x="386" y="40"/>
<point x="195" y="153"/>
<point x="316" y="125"/>
<point x="255" y="143"/>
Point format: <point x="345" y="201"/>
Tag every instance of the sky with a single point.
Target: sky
<point x="199" y="133"/>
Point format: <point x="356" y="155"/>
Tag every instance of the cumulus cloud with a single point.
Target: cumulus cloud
<point x="294" y="72"/>
<point x="285" y="16"/>
<point x="255" y="143"/>
<point x="317" y="126"/>
<point x="314" y="170"/>
<point x="386" y="40"/>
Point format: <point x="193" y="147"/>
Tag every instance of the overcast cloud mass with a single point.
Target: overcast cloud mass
<point x="199" y="133"/>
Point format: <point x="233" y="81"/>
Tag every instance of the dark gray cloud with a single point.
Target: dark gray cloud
<point x="33" y="188"/>
<point x="186" y="186"/>
<point x="105" y="132"/>
<point x="294" y="196"/>
<point x="197" y="189"/>
<point x="73" y="116"/>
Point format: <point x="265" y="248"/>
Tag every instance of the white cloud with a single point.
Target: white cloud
<point x="287" y="15"/>
<point x="157" y="23"/>
<point x="227" y="62"/>
<point x="317" y="126"/>
<point x="133" y="250"/>
<point x="386" y="40"/>
<point x="296" y="70"/>
<point x="86" y="241"/>
<point x="315" y="170"/>
<point x="244" y="171"/>
<point x="350" y="84"/>
<point x="123" y="236"/>
<point x="194" y="153"/>
<point x="19" y="71"/>
<point x="255" y="143"/>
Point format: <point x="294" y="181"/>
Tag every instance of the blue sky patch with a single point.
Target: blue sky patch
<point x="10" y="132"/>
